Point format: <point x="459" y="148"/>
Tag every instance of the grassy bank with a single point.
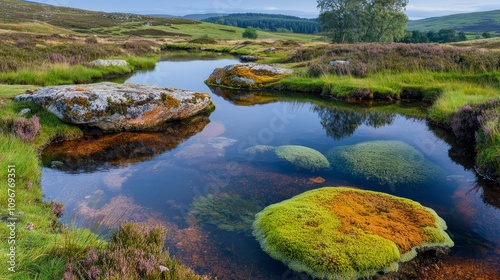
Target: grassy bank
<point x="43" y="247"/>
<point x="450" y="78"/>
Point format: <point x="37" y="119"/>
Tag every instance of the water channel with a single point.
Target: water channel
<point x="155" y="177"/>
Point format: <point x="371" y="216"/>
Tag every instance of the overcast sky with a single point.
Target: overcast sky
<point x="306" y="8"/>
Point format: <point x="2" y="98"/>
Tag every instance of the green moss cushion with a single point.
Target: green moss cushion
<point x="386" y="162"/>
<point x="343" y="233"/>
<point x="302" y="157"/>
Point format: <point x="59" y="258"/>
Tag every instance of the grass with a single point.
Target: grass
<point x="470" y="22"/>
<point x="60" y="74"/>
<point x="45" y="251"/>
<point x="197" y="30"/>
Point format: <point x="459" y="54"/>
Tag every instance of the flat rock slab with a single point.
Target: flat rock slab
<point x="105" y="63"/>
<point x="247" y="75"/>
<point x="119" y="107"/>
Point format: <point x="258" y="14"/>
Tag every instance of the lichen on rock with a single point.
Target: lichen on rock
<point x="117" y="107"/>
<point x="391" y="163"/>
<point x="247" y="75"/>
<point x="343" y="233"/>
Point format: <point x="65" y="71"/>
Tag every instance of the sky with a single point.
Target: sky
<point x="416" y="9"/>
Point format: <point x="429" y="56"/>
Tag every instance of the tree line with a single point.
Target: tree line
<point x="267" y="22"/>
<point x="446" y="35"/>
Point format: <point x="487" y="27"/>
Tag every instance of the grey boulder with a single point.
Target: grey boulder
<point x="118" y="107"/>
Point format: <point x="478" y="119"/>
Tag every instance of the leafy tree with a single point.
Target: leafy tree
<point x="250" y="33"/>
<point x="363" y="20"/>
<point x="341" y="18"/>
<point x="486" y="35"/>
<point x="384" y="20"/>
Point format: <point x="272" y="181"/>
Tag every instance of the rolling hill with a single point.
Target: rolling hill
<point x="468" y="22"/>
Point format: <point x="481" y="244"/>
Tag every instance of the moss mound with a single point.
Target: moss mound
<point x="386" y="162"/>
<point x="302" y="157"/>
<point x="259" y="149"/>
<point x="226" y="212"/>
<point x="343" y="233"/>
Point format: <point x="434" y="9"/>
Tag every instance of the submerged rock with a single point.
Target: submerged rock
<point x="302" y="157"/>
<point x="343" y="233"/>
<point x="247" y="75"/>
<point x="389" y="163"/>
<point x="117" y="107"/>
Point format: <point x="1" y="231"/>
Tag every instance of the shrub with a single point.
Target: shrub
<point x="250" y="33"/>
<point x="57" y="208"/>
<point x="135" y="251"/>
<point x="26" y="129"/>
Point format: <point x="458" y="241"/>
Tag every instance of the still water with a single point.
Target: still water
<point x="154" y="177"/>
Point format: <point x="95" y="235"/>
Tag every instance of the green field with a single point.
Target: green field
<point x="467" y="22"/>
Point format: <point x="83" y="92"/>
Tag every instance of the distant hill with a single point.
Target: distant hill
<point x="15" y="11"/>
<point x="469" y="22"/>
<point x="269" y="22"/>
<point x="203" y="16"/>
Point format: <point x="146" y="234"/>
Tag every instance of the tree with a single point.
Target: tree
<point x="363" y="20"/>
<point x="486" y="35"/>
<point x="250" y="33"/>
<point x="384" y="20"/>
<point x="341" y="18"/>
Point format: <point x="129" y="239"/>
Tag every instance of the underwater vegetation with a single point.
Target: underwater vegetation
<point x="299" y="156"/>
<point x="343" y="233"/>
<point x="389" y="163"/>
<point x="226" y="212"/>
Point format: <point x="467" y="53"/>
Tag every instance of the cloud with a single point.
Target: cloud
<point x="270" y="8"/>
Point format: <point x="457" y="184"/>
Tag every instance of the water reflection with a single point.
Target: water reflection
<point x="343" y="122"/>
<point x="121" y="149"/>
<point x="245" y="97"/>
<point x="156" y="178"/>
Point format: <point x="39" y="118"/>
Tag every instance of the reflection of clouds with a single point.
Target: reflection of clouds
<point x="117" y="210"/>
<point x="115" y="179"/>
<point x="208" y="147"/>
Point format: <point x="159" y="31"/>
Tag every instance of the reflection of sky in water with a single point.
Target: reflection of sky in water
<point x="161" y="189"/>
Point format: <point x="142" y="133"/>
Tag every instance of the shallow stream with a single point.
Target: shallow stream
<point x="155" y="177"/>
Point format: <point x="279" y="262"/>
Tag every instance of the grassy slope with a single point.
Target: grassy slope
<point x="471" y="22"/>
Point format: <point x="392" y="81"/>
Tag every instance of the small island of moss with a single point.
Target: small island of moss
<point x="343" y="233"/>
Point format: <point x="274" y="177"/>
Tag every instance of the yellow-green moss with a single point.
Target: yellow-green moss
<point x="343" y="233"/>
<point x="169" y="101"/>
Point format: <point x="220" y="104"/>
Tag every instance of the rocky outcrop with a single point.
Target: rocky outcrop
<point x="104" y="63"/>
<point x="119" y="107"/>
<point x="247" y="75"/>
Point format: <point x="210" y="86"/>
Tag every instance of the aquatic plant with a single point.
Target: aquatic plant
<point x="302" y="157"/>
<point x="343" y="233"/>
<point x="226" y="212"/>
<point x="259" y="149"/>
<point x="385" y="162"/>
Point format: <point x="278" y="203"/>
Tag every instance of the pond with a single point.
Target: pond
<point x="156" y="177"/>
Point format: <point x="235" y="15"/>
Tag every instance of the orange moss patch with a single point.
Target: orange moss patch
<point x="392" y="219"/>
<point x="79" y="89"/>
